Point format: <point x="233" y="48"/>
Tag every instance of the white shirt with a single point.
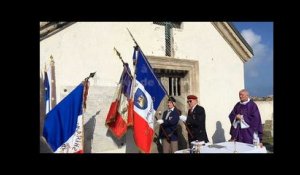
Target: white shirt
<point x="169" y="112"/>
<point x="245" y="102"/>
<point x="193" y="108"/>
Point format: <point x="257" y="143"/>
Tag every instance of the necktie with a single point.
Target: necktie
<point x="167" y="116"/>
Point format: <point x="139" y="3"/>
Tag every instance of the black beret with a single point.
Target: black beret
<point x="172" y="99"/>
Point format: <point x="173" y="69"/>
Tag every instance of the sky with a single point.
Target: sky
<point x="259" y="70"/>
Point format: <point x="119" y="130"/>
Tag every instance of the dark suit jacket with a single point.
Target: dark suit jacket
<point x="170" y="125"/>
<point x="196" y="124"/>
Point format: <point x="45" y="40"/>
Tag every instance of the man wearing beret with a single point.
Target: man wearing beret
<point x="195" y="121"/>
<point x="168" y="127"/>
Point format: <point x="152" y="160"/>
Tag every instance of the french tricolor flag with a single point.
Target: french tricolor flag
<point x="63" y="124"/>
<point x="120" y="111"/>
<point x="148" y="93"/>
<point x="49" y="85"/>
<point x="47" y="92"/>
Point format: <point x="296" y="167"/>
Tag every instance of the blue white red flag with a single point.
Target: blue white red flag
<point x="120" y="111"/>
<point x="47" y="92"/>
<point x="63" y="124"/>
<point x="50" y="87"/>
<point x="148" y="93"/>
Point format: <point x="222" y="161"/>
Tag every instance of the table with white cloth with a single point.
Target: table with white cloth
<point x="228" y="147"/>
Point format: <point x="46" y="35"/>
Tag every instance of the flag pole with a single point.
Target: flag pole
<point x="45" y="68"/>
<point x="86" y="87"/>
<point x="119" y="55"/>
<point x="138" y="47"/>
<point x="85" y="93"/>
<point x="133" y="38"/>
<point x="52" y="82"/>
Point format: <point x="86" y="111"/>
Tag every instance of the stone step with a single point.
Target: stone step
<point x="268" y="125"/>
<point x="267" y="134"/>
<point x="269" y="122"/>
<point x="268" y="129"/>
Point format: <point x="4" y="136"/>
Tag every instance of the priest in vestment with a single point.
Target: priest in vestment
<point x="246" y="121"/>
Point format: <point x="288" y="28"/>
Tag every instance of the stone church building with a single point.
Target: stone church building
<point x="201" y="58"/>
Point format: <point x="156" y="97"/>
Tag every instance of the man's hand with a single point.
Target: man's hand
<point x="261" y="145"/>
<point x="160" y="121"/>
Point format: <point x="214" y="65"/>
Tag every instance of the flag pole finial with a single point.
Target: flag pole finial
<point x="90" y="76"/>
<point x="124" y="64"/>
<point x="136" y="44"/>
<point x="51" y="60"/>
<point x="119" y="55"/>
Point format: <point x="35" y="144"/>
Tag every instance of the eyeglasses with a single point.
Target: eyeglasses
<point x="189" y="101"/>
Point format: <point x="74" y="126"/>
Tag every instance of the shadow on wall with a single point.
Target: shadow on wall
<point x="157" y="145"/>
<point x="118" y="142"/>
<point x="182" y="141"/>
<point x="219" y="135"/>
<point x="44" y="147"/>
<point x="89" y="128"/>
<point x="157" y="142"/>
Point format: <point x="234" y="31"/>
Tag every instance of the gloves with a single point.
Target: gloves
<point x="160" y="121"/>
<point x="183" y="118"/>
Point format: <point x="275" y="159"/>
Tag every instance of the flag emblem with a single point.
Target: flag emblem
<point x="140" y="99"/>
